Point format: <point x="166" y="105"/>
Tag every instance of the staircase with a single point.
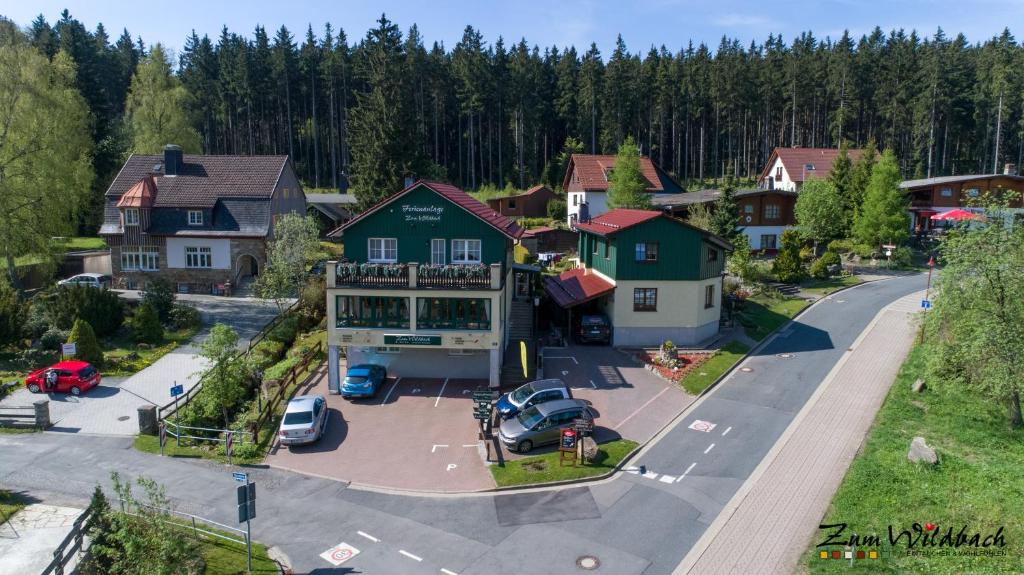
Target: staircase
<point x="520" y="329"/>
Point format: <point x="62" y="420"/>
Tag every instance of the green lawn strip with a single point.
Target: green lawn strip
<point x="116" y="350"/>
<point x="9" y="505"/>
<point x="977" y="482"/>
<point x="825" y="287"/>
<point x="762" y="315"/>
<point x="704" y="375"/>
<point x="223" y="557"/>
<point x="63" y="245"/>
<point x="544" y="468"/>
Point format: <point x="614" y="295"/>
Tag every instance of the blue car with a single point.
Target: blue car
<point x="363" y="380"/>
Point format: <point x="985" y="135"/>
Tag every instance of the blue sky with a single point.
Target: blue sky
<point x="559" y="22"/>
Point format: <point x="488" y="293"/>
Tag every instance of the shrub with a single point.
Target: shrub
<point x="34" y="358"/>
<point x="819" y="269"/>
<point x="281" y="368"/>
<point x="146" y="327"/>
<point x="729" y="286"/>
<point x="102" y="309"/>
<point x="160" y="295"/>
<point x="12" y="314"/>
<point x="313" y="300"/>
<point x="787" y="266"/>
<point x="534" y="222"/>
<point x="36" y="320"/>
<point x="86" y="346"/>
<point x="285" y="331"/>
<point x="840" y="246"/>
<point x="901" y="257"/>
<point x="184" y="316"/>
<point x="52" y="339"/>
<point x="806" y="254"/>
<point x="864" y="251"/>
<point x="266" y="353"/>
<point x="558" y="209"/>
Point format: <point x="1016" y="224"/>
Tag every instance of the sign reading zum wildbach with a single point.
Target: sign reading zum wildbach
<point x="415" y="213"/>
<point x="412" y="340"/>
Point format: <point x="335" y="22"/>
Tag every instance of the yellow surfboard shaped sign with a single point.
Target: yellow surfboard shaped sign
<point x="522" y="352"/>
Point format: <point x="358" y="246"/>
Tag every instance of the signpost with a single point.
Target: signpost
<point x="177" y="390"/>
<point x="68" y="349"/>
<point x="482" y="408"/>
<point x="567" y="446"/>
<point x="246" y="495"/>
<point x="163" y="437"/>
<point x="926" y="303"/>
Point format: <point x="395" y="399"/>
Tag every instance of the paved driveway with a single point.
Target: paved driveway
<point x="112" y="407"/>
<point x="416" y="434"/>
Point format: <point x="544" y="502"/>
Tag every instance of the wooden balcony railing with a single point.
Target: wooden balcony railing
<point x="372" y="275"/>
<point x="413" y="275"/>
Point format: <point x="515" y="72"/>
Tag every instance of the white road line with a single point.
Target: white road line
<point x="563" y="357"/>
<point x="593" y="384"/>
<point x="393" y="386"/>
<point x="650" y="475"/>
<point x="667" y="479"/>
<point x="687" y="472"/>
<point x="727" y="430"/>
<point x="410" y="555"/>
<point x="368" y="536"/>
<point x="470" y="444"/>
<point x="630" y="416"/>
<point x="710" y="447"/>
<point x="447" y="572"/>
<point x="440" y="393"/>
<point x="436" y="445"/>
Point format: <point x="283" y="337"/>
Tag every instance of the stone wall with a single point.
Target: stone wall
<point x="189" y="279"/>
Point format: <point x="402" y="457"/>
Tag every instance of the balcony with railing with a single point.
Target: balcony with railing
<point x="414" y="275"/>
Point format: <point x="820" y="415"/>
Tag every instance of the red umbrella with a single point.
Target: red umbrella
<point x="957" y="215"/>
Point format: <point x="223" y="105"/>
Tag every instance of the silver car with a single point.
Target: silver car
<point x="541" y="424"/>
<point x="305" y="420"/>
<point x="87" y="279"/>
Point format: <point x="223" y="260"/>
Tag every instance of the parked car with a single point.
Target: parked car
<point x="72" y="376"/>
<point x="305" y="420"/>
<point x="363" y="380"/>
<point x="595" y="328"/>
<point x="541" y="424"/>
<point x="318" y="268"/>
<point x="89" y="279"/>
<point x="530" y="394"/>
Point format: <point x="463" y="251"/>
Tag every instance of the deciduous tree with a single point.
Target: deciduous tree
<point x="819" y="211"/>
<point x="157" y="108"/>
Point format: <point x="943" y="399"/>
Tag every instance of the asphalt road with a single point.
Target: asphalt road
<point x="632" y="524"/>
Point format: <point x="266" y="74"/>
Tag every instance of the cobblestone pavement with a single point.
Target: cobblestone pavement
<point x="27" y="541"/>
<point x="768" y="524"/>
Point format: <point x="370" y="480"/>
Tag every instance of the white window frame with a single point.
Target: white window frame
<point x="382" y="250"/>
<point x="772" y="212"/>
<point x="198" y="257"/>
<point x="946" y="192"/>
<point x="438" y="251"/>
<point x="131" y="216"/>
<point x="195" y="221"/>
<point x="466" y="250"/>
<point x="140" y="260"/>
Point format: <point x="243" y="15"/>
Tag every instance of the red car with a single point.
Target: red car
<point x="72" y="376"/>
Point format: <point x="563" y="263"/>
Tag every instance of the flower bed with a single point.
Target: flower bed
<point x="688" y="362"/>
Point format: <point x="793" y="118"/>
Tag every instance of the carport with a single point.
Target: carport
<point x="574" y="288"/>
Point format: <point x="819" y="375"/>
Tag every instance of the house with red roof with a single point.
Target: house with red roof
<point x="201" y="222"/>
<point x="427" y="287"/>
<point x="654" y="276"/>
<point x="587" y="181"/>
<point x="533" y="203"/>
<point x="788" y="168"/>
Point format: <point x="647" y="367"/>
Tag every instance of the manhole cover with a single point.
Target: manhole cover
<point x="123" y="418"/>
<point x="784" y="355"/>
<point x="746" y="369"/>
<point x="588" y="562"/>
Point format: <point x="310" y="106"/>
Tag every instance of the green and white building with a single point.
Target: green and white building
<point x="426" y="289"/>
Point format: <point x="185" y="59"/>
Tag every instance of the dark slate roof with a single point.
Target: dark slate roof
<point x="202" y="179"/>
<point x="458" y="197"/>
<point x="233" y="217"/>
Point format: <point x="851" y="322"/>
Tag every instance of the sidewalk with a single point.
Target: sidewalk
<point x="28" y="540"/>
<point x="768" y="524"/>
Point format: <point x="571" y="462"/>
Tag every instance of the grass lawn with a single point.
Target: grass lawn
<point x="977" y="482"/>
<point x="9" y="505"/>
<point x="698" y="380"/>
<point x="116" y="351"/>
<point x="544" y="468"/>
<point x="762" y="315"/>
<point x="63" y="245"/>
<point x="228" y="558"/>
<point x="825" y="287"/>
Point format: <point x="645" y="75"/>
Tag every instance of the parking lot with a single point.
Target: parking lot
<point x="419" y="434"/>
<point x="415" y="434"/>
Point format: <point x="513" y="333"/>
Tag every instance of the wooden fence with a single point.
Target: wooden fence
<point x="168" y="409"/>
<point x="270" y="406"/>
<point x="71" y="545"/>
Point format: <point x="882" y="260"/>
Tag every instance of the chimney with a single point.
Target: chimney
<point x="173" y="160"/>
<point x="1010" y="170"/>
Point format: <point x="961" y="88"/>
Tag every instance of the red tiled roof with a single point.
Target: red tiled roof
<point x="537" y="230"/>
<point x="794" y="160"/>
<point x="576" y="286"/>
<point x="458" y="197"/>
<point x="591" y="169"/>
<point x="202" y="180"/>
<point x="532" y="190"/>
<point x="615" y="220"/>
<point x="141" y="195"/>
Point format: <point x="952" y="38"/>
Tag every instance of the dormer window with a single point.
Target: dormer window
<point x="131" y="216"/>
<point x="195" y="217"/>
